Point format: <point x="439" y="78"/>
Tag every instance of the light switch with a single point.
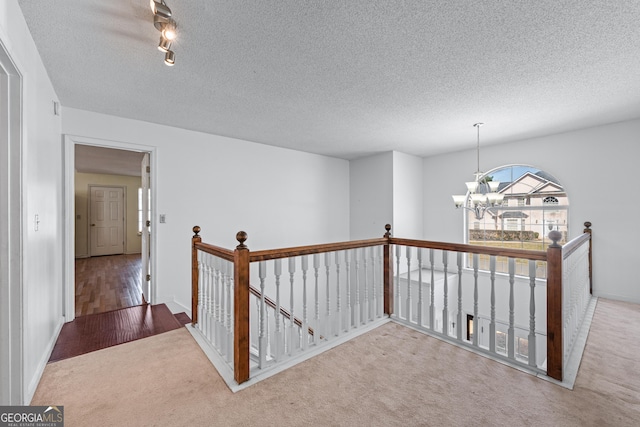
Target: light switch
<point x="163" y="218"/>
<point x="36" y="222"/>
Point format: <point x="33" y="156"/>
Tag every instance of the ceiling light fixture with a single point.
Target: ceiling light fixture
<point x="482" y="194"/>
<point x="164" y="23"/>
<point x="164" y="45"/>
<point x="160" y="8"/>
<point x="170" y="58"/>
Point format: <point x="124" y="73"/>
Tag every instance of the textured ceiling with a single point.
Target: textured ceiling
<point x="350" y="78"/>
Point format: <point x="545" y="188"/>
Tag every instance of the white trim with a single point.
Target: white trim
<point x="69" y="203"/>
<point x="11" y="225"/>
<point x="31" y="388"/>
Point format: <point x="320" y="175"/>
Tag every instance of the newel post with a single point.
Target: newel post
<point x="388" y="273"/>
<point x="587" y="229"/>
<point x="241" y="310"/>
<point x="194" y="274"/>
<point x="555" y="346"/>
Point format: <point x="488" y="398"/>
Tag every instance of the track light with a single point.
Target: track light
<point x="169" y="30"/>
<point x="164" y="44"/>
<point x="160" y="8"/>
<point x="163" y="22"/>
<point x="170" y="58"/>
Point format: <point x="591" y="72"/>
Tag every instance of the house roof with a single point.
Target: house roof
<point x="349" y="79"/>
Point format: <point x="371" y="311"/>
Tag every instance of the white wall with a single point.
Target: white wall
<point x="597" y="168"/>
<point x="280" y="197"/>
<point x="42" y="195"/>
<point x="407" y="196"/>
<point x="371" y="188"/>
<point x="386" y="188"/>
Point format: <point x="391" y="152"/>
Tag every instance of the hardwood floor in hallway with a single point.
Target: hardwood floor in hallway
<point x="107" y="283"/>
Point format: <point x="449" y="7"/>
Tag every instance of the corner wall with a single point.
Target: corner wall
<point x="597" y="168"/>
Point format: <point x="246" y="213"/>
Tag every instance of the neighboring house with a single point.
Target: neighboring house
<point x="534" y="202"/>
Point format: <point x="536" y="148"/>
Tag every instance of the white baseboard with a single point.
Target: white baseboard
<point x="177" y="307"/>
<point x="35" y="380"/>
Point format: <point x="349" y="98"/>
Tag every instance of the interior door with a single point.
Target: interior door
<point x="107" y="220"/>
<point x="146" y="230"/>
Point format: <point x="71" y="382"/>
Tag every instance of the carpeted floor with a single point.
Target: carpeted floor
<point x="390" y="376"/>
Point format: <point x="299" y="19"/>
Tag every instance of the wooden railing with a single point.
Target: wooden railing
<point x="235" y="323"/>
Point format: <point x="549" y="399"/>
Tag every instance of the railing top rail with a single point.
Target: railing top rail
<point x="485" y="250"/>
<point x="214" y="250"/>
<point x="269" y="254"/>
<point x="570" y="247"/>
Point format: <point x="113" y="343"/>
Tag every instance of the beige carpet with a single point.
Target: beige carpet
<point x="392" y="376"/>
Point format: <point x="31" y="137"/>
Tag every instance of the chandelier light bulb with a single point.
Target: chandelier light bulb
<point x="169" y="31"/>
<point x="164" y="45"/>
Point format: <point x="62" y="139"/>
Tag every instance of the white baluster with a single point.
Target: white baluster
<point x="511" y="334"/>
<point x="408" y="301"/>
<point x="445" y="310"/>
<point x="293" y="332"/>
<point x="200" y="291"/>
<point x="397" y="283"/>
<point x="229" y="325"/>
<point x="328" y="321"/>
<point x="217" y="294"/>
<point x="347" y="260"/>
<point x="305" y="319"/>
<point x="492" y="324"/>
<point x="532" y="314"/>
<point x="262" y="341"/>
<point x="380" y="268"/>
<point x="365" y="297"/>
<point x="316" y="327"/>
<point x="372" y="299"/>
<point x="459" y="319"/>
<point x="432" y="306"/>
<point x="205" y="298"/>
<point x="338" y="325"/>
<point x="279" y="336"/>
<point x="475" y="300"/>
<point x="209" y="320"/>
<point x="420" y="290"/>
<point x="356" y="306"/>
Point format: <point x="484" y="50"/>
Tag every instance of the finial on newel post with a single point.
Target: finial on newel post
<point x="388" y="228"/>
<point x="196" y="230"/>
<point x="555" y="237"/>
<point x="241" y="237"/>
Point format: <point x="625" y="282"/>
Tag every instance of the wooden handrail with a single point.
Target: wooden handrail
<point x="570" y="247"/>
<point x="269" y="254"/>
<point x="477" y="249"/>
<point x="271" y="303"/>
<point x="214" y="250"/>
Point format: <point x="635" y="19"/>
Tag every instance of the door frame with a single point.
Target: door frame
<point x="70" y="142"/>
<point x="12" y="381"/>
<point x="124" y="215"/>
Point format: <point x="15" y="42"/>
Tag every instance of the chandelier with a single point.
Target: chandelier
<point x="482" y="194"/>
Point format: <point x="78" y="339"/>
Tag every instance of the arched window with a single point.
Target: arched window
<point x="534" y="203"/>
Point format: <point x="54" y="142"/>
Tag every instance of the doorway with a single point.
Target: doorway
<point x="102" y="182"/>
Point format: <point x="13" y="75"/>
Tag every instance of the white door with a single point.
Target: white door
<point x="106" y="205"/>
<point x="146" y="230"/>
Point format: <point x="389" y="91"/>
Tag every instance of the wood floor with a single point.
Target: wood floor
<point x="110" y="309"/>
<point x="97" y="331"/>
<point x="107" y="283"/>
